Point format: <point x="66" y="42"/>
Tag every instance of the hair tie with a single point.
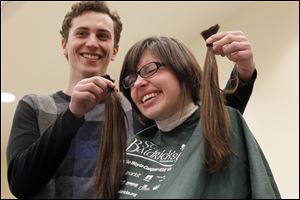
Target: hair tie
<point x="108" y="77"/>
<point x="209" y="45"/>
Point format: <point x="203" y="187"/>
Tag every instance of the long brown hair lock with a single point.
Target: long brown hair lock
<point x="214" y="115"/>
<point x="110" y="164"/>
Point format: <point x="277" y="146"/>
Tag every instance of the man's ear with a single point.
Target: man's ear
<point x="115" y="51"/>
<point x="64" y="47"/>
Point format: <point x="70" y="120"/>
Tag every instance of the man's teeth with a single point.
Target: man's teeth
<point x="148" y="96"/>
<point x="91" y="56"/>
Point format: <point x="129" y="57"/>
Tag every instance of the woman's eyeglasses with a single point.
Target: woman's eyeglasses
<point x="145" y="72"/>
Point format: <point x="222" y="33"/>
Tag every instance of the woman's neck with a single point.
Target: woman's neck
<point x="177" y="118"/>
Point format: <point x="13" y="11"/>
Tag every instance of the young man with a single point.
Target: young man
<point x="54" y="139"/>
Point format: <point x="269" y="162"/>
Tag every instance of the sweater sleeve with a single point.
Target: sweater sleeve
<point x="241" y="96"/>
<point x="33" y="157"/>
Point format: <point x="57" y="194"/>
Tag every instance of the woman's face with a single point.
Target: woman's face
<point x="159" y="96"/>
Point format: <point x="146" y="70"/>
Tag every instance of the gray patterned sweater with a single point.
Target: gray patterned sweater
<point x="51" y="153"/>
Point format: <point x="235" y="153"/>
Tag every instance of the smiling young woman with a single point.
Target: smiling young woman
<point x="198" y="147"/>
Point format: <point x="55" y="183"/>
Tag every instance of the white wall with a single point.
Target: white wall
<point x="273" y="110"/>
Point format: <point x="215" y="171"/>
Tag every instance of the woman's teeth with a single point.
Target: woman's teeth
<point x="148" y="96"/>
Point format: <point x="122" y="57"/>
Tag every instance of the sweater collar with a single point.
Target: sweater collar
<point x="177" y="119"/>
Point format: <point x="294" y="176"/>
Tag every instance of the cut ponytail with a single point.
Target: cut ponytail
<point x="214" y="116"/>
<point x="110" y="164"/>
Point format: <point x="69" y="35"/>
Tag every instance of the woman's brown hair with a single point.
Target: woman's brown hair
<point x="110" y="165"/>
<point x="214" y="115"/>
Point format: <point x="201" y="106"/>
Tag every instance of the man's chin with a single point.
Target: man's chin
<point x="94" y="73"/>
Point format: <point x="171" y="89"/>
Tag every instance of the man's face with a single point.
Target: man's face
<point x="90" y="46"/>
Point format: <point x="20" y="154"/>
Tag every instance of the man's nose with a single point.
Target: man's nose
<point x="92" y="41"/>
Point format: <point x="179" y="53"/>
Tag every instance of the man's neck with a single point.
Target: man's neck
<point x="69" y="89"/>
<point x="73" y="80"/>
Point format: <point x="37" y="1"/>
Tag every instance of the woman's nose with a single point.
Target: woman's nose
<point x="140" y="82"/>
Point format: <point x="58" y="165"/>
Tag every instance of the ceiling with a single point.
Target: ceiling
<point x="32" y="59"/>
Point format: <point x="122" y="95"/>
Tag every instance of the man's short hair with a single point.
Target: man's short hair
<point x="95" y="6"/>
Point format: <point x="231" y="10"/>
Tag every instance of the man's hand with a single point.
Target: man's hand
<point x="237" y="48"/>
<point x="87" y="93"/>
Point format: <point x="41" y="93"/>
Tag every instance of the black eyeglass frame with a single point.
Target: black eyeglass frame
<point x="132" y="77"/>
